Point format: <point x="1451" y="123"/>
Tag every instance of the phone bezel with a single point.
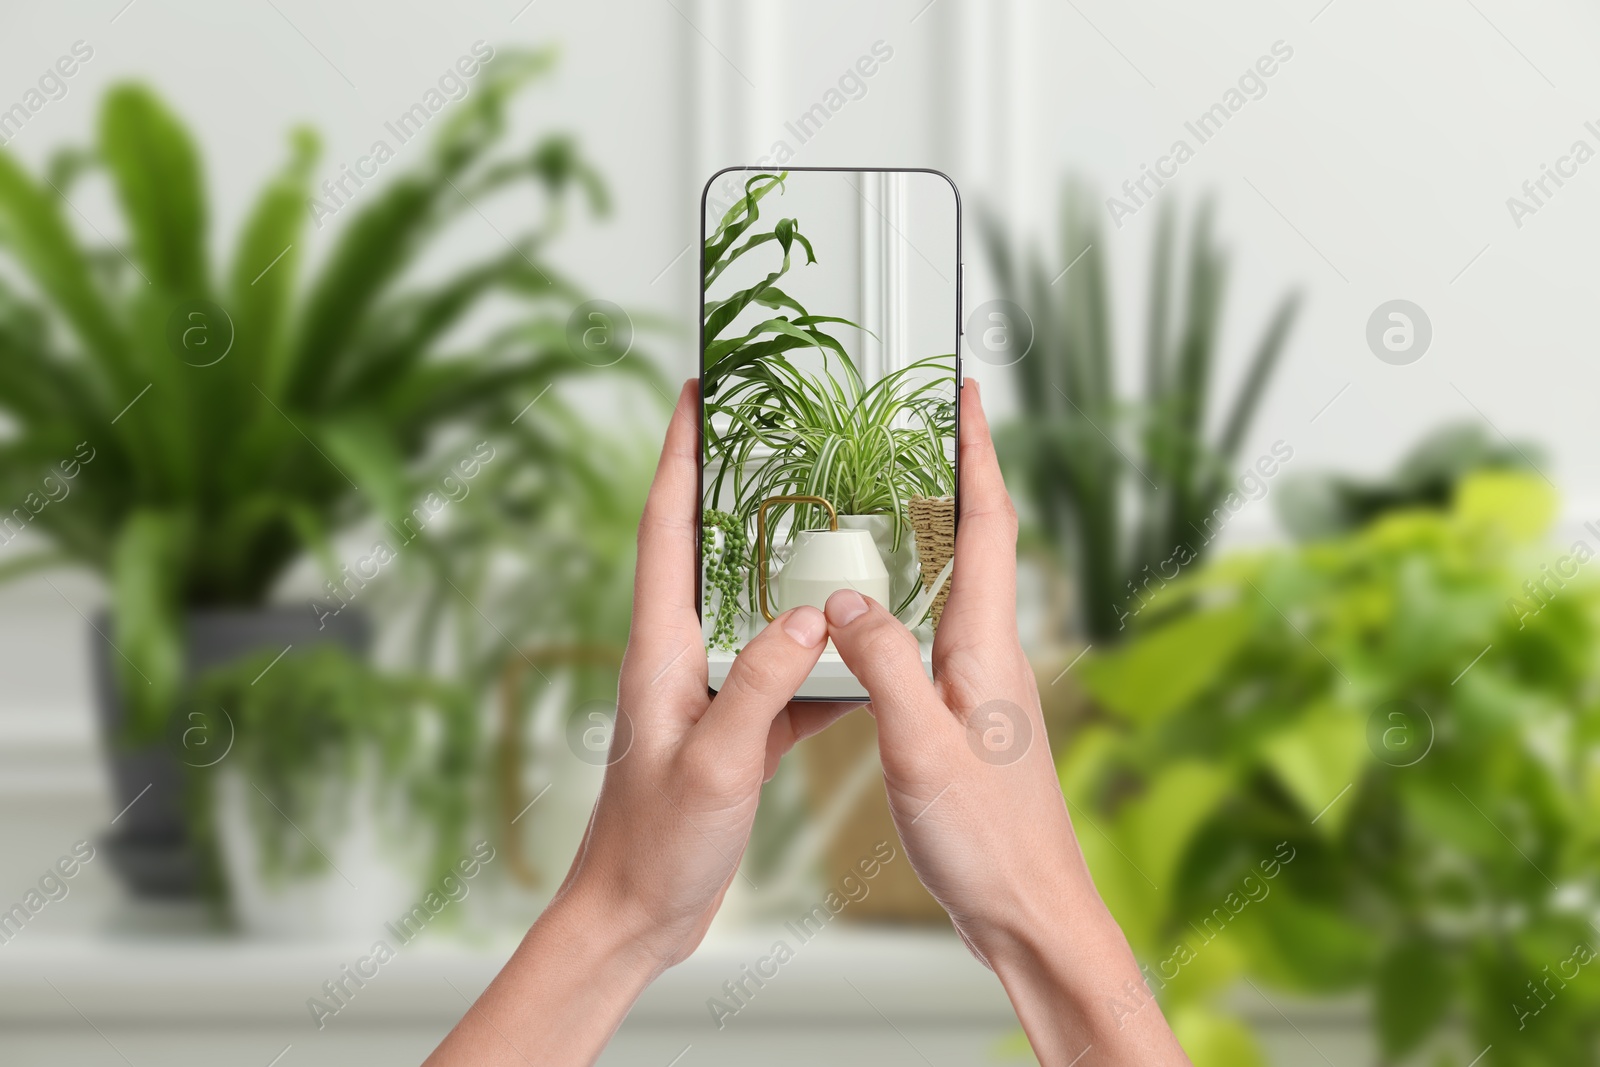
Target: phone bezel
<point x="700" y="357"/>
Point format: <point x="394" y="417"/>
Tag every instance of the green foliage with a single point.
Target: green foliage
<point x="532" y="578"/>
<point x="748" y="352"/>
<point x="1171" y="666"/>
<point x="207" y="482"/>
<point x="725" y="549"/>
<point x="1210" y="1039"/>
<point x="1313" y="506"/>
<point x="866" y="449"/>
<point x="1314" y="853"/>
<point x="1412" y="992"/>
<point x="538" y="553"/>
<point x="1081" y="454"/>
<point x="532" y="575"/>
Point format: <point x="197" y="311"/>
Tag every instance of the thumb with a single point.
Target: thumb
<point x="762" y="681"/>
<point x="885" y="657"/>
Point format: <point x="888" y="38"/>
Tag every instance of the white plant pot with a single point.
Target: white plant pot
<point x="365" y="885"/>
<point x="825" y="561"/>
<point x="901" y="563"/>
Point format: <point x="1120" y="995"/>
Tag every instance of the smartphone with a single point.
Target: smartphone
<point x="830" y="371"/>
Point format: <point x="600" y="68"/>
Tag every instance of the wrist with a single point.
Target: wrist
<point x="1075" y="984"/>
<point x="1054" y="940"/>
<point x="599" y="934"/>
<point x="563" y="993"/>
<point x="1047" y="899"/>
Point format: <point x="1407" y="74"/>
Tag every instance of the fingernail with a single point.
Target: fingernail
<point x="845" y="607"/>
<point x="807" y="626"/>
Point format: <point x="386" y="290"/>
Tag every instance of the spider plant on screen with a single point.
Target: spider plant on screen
<point x="866" y="448"/>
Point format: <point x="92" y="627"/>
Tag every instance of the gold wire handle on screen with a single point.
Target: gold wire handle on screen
<point x="761" y="539"/>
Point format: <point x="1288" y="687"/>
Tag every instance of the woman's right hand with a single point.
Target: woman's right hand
<point x="974" y="794"/>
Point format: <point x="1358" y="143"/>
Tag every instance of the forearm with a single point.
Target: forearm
<point x="558" y="1000"/>
<point x="1078" y="991"/>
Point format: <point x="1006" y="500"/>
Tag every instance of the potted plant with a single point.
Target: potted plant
<point x="222" y="422"/>
<point x="866" y="448"/>
<point x="343" y="791"/>
<point x="1391" y="796"/>
<point x="326" y="787"/>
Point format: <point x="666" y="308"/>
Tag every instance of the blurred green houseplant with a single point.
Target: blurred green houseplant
<point x="312" y="731"/>
<point x="1323" y="504"/>
<point x="541" y="552"/>
<point x="1369" y="763"/>
<point x="1078" y="465"/>
<point x="209" y="481"/>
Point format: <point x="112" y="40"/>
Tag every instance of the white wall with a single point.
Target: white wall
<point x="1390" y="142"/>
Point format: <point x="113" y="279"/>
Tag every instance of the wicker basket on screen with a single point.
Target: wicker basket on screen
<point x="934" y="521"/>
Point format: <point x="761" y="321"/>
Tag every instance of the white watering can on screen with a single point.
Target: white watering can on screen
<point x="820" y="562"/>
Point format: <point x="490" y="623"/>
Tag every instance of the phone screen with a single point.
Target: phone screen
<point x="830" y="330"/>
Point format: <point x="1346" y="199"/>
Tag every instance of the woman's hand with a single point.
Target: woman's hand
<point x="974" y="794"/>
<point x="678" y="802"/>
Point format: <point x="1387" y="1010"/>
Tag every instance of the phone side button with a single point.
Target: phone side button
<point x="961" y="328"/>
<point x="961" y="296"/>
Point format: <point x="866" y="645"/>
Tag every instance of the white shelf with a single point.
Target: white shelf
<point x="851" y="994"/>
<point x="911" y="976"/>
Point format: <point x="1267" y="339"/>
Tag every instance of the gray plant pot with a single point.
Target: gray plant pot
<point x="149" y="845"/>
